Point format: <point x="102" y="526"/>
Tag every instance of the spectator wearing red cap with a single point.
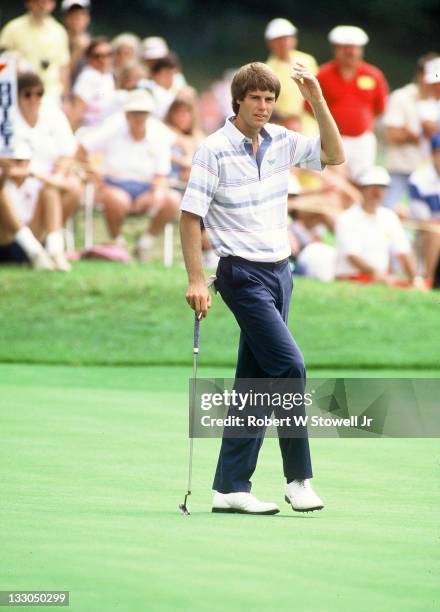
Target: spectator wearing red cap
<point x="356" y="94"/>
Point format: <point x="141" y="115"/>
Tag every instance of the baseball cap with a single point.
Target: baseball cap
<point x="279" y="27"/>
<point x="348" y="35"/>
<point x="432" y="71"/>
<point x="68" y="4"/>
<point x="376" y="175"/>
<point x="435" y="142"/>
<point x="140" y="101"/>
<point x="154" y="47"/>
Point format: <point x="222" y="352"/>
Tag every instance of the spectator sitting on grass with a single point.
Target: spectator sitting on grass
<point x="93" y="92"/>
<point x="76" y="17"/>
<point x="45" y="127"/>
<point x="368" y="234"/>
<point x="136" y="163"/>
<point x="424" y="188"/>
<point x="29" y="213"/>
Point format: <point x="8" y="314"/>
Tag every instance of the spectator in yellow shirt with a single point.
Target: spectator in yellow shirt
<point x="281" y="39"/>
<point x="42" y="42"/>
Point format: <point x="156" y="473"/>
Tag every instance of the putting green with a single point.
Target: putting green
<point x="94" y="466"/>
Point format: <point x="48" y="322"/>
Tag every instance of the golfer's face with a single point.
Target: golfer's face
<point x="256" y="108"/>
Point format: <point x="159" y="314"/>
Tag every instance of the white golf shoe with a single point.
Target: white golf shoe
<point x="300" y="495"/>
<point x="242" y="503"/>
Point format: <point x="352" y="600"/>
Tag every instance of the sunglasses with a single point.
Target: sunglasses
<point x="30" y="94"/>
<point x="101" y="55"/>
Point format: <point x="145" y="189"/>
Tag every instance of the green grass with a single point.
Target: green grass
<point x="93" y="469"/>
<point x="110" y="314"/>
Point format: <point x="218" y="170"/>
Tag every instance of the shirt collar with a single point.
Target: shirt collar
<point x="237" y="138"/>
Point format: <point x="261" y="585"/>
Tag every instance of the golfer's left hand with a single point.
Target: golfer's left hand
<point x="307" y="83"/>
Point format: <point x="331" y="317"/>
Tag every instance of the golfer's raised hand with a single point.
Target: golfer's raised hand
<point x="307" y="83"/>
<point x="199" y="298"/>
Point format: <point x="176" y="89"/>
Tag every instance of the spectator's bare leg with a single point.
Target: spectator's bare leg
<point x="48" y="223"/>
<point x="71" y="198"/>
<point x="13" y="229"/>
<point x="431" y="247"/>
<point x="116" y="203"/>
<point x="164" y="207"/>
<point x="9" y="221"/>
<point x="163" y="203"/>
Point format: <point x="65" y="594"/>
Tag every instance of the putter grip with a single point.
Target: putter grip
<point x="196" y="333"/>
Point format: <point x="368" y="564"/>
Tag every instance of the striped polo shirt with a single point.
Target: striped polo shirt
<point x="242" y="197"/>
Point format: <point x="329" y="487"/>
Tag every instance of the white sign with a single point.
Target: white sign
<point x="8" y="102"/>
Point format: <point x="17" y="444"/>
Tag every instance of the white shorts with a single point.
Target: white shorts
<point x="360" y="153"/>
<point x="24" y="198"/>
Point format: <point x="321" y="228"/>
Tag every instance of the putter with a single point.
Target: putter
<point x="183" y="507"/>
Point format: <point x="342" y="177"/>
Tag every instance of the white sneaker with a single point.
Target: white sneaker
<point x="60" y="263"/>
<point x="143" y="248"/>
<point x="300" y="495"/>
<point x="242" y="503"/>
<point x="42" y="261"/>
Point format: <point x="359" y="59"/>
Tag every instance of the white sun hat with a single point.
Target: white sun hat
<point x="67" y="4"/>
<point x="432" y="71"/>
<point x="348" y="35"/>
<point x="139" y="101"/>
<point x="376" y="175"/>
<point x="154" y="47"/>
<point x="279" y="27"/>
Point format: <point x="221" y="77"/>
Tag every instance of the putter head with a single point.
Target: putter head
<point x="184" y="510"/>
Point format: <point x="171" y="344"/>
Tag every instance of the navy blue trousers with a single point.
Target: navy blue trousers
<point x="259" y="297"/>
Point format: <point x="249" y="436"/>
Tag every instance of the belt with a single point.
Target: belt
<point x="259" y="264"/>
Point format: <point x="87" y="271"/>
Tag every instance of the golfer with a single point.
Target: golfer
<point x="238" y="186"/>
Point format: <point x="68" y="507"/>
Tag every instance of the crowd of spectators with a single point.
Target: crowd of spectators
<point x="119" y="112"/>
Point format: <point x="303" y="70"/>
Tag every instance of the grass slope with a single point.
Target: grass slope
<point x="112" y="314"/>
<point x="94" y="466"/>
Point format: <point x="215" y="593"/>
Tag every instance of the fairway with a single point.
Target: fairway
<point x="93" y="469"/>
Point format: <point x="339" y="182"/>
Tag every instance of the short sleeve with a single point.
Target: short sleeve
<point x="305" y="152"/>
<point x="203" y="182"/>
<point x="84" y="87"/>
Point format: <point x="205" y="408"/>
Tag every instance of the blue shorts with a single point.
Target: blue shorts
<point x="133" y="188"/>
<point x="12" y="253"/>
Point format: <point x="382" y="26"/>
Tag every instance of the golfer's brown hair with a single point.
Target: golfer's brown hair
<point x="250" y="78"/>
